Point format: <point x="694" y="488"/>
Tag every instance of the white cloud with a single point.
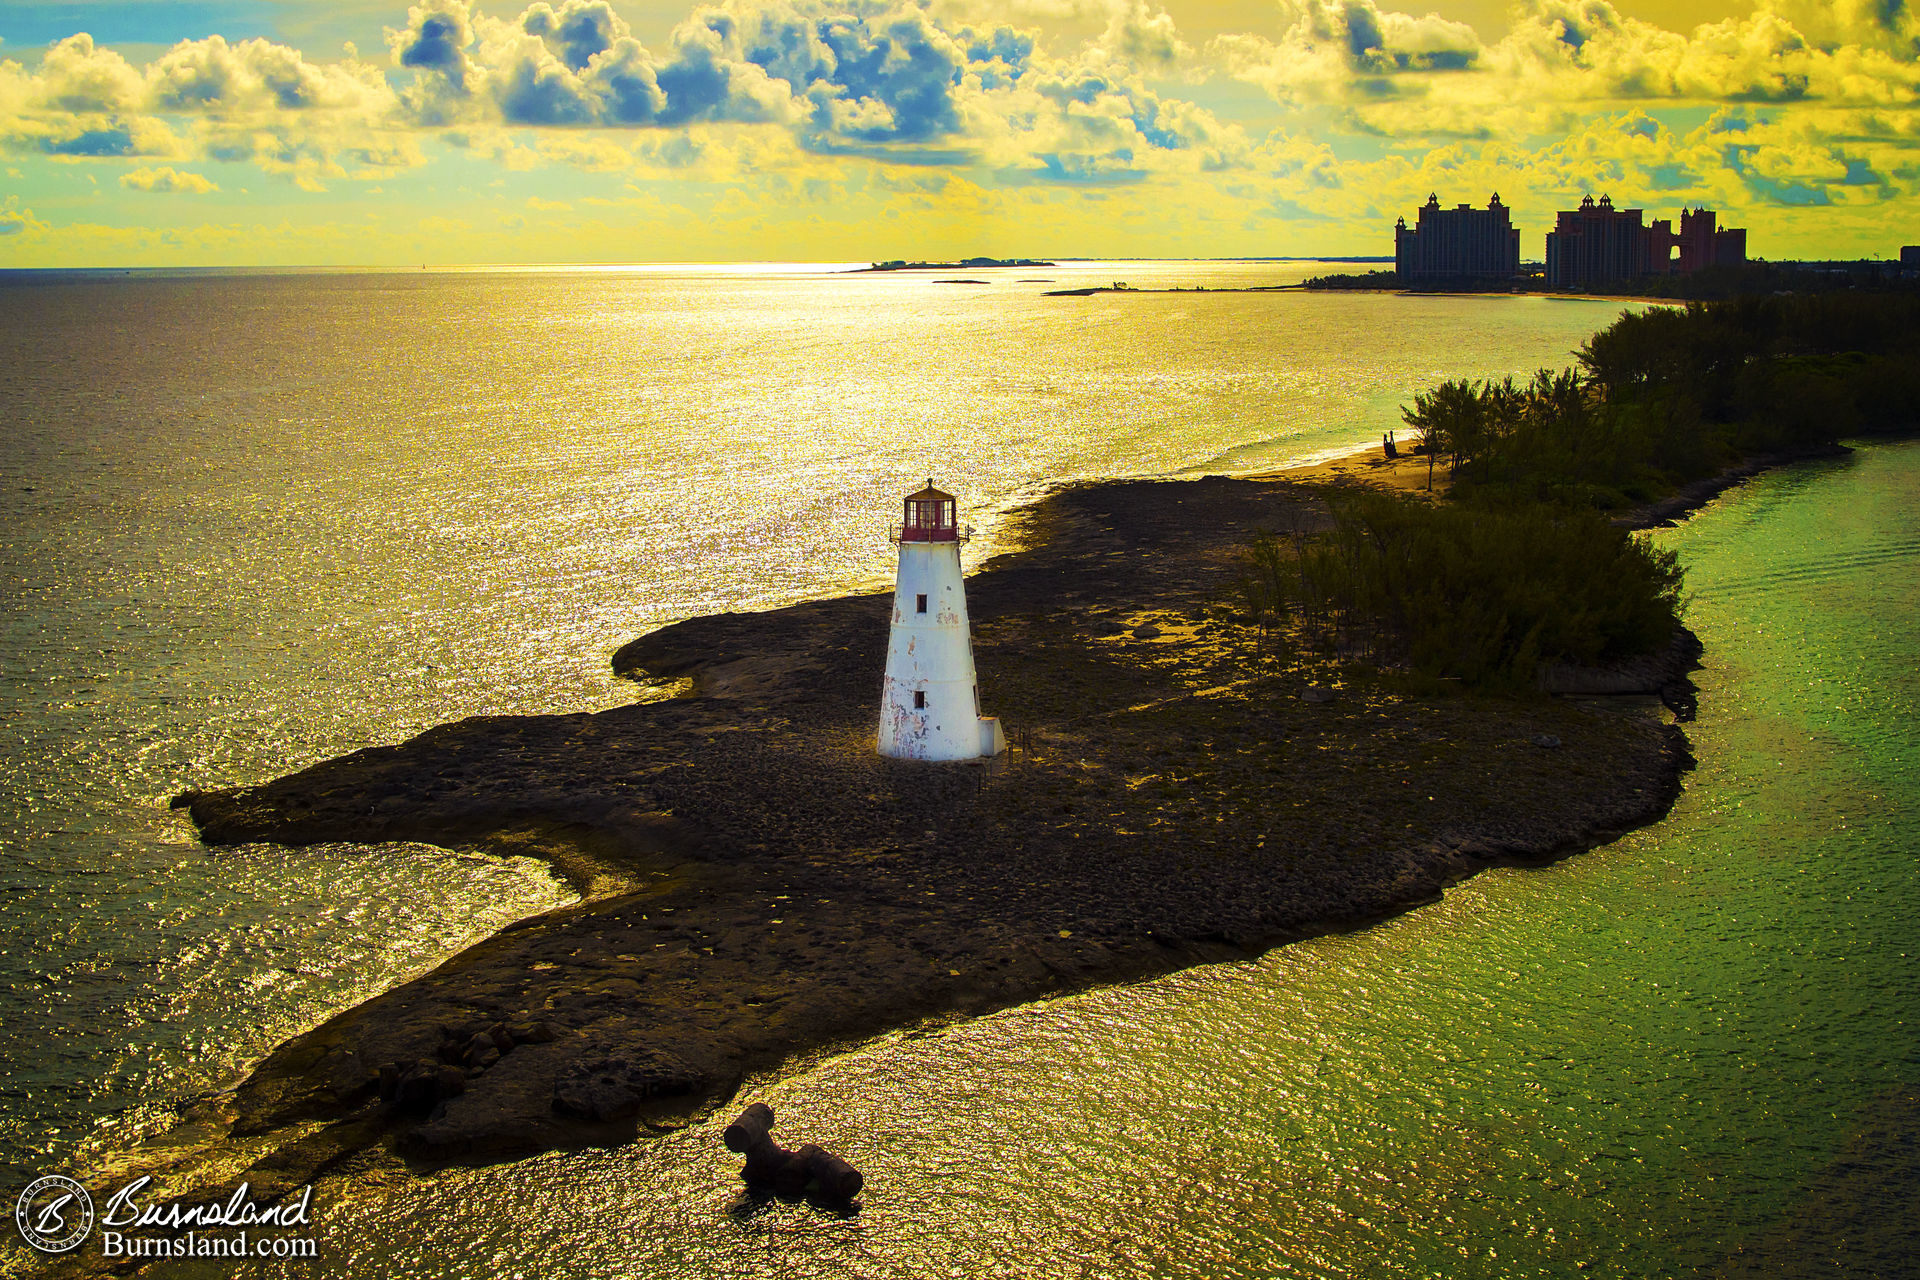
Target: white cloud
<point x="207" y="100"/>
<point x="1890" y="26"/>
<point x="167" y="179"/>
<point x="1406" y="77"/>
<point x="15" y="220"/>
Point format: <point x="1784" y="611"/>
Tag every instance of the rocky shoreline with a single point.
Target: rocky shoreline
<point x="1691" y="497"/>
<point x="760" y="885"/>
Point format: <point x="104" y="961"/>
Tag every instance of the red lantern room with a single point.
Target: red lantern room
<point x="929" y="517"/>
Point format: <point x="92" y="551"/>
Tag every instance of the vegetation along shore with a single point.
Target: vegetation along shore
<point x="1720" y="282"/>
<point x="1244" y="712"/>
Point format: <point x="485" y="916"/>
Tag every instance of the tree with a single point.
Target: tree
<point x="1448" y="417"/>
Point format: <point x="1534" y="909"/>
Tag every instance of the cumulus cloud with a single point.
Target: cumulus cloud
<point x="901" y="81"/>
<point x="15" y="220"/>
<point x="1587" y="50"/>
<point x="78" y="103"/>
<point x="1401" y="76"/>
<point x="577" y="32"/>
<point x="1817" y="101"/>
<point x="209" y="99"/>
<point x="257" y="75"/>
<point x="77" y="77"/>
<point x="1888" y="25"/>
<point x="167" y="178"/>
<point x="1145" y="35"/>
<point x="434" y="44"/>
<point x="1740" y="158"/>
<point x="886" y="79"/>
<point x="578" y="66"/>
<point x="1331" y="50"/>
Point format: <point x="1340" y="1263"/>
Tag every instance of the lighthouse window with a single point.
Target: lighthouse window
<point x="919" y="699"/>
<point x="919" y="604"/>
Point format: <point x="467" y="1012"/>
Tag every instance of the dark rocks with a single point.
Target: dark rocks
<point x="1663" y="673"/>
<point x="422" y="1085"/>
<point x="1679" y="693"/>
<point x="608" y="1088"/>
<point x="596" y="1091"/>
<point x="478" y="1049"/>
<point x="1546" y="740"/>
<point x="447" y="1083"/>
<point x="1691" y="497"/>
<point x="345" y="1075"/>
<point x="1682" y="698"/>
<point x="531" y="1032"/>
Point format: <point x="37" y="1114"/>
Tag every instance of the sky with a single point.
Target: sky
<point x="366" y="132"/>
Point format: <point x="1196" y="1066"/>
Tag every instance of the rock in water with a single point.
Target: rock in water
<point x="793" y="1174"/>
<point x="764" y="1163"/>
<point x="811" y="1170"/>
<point x="833" y="1178"/>
<point x="750" y="1130"/>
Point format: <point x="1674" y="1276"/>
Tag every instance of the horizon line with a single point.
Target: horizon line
<point x="825" y="265"/>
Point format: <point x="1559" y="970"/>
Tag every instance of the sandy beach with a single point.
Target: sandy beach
<point x="1368" y="465"/>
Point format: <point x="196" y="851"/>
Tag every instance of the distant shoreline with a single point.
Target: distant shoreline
<point x="1090" y="290"/>
<point x="1396" y="291"/>
<point x="965" y="264"/>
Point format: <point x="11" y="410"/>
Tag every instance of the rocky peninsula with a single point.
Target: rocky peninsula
<point x="759" y="885"/>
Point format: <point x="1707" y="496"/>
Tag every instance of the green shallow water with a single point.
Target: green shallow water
<point x="1691" y="1053"/>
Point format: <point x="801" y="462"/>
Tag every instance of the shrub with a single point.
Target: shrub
<point x="1478" y="594"/>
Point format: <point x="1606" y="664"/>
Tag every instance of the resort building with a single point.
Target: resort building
<point x="1458" y="243"/>
<point x="1599" y="244"/>
<point x="1702" y="245"/>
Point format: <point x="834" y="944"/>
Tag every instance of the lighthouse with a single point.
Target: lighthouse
<point x="930" y="703"/>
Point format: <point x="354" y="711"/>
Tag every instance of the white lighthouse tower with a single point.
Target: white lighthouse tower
<point x="930" y="705"/>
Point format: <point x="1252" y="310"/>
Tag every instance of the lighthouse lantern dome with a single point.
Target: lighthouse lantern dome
<point x="928" y="516"/>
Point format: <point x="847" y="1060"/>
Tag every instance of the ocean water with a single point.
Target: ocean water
<point x="250" y="521"/>
<point x="1691" y="1053"/>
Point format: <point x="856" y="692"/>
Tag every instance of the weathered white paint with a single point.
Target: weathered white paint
<point x="931" y="654"/>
